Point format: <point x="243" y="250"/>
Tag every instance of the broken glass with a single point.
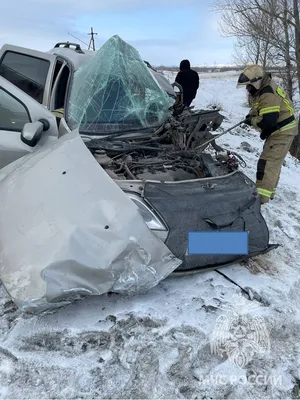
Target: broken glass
<point x="115" y="91"/>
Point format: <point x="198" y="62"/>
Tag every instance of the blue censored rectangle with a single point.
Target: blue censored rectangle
<point x="218" y="243"/>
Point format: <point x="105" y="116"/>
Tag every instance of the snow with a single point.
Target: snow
<point x="158" y="345"/>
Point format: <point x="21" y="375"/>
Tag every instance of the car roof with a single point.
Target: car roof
<point x="73" y="53"/>
<point x="77" y="56"/>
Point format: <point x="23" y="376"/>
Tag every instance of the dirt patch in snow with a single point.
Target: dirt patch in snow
<point x="261" y="265"/>
<point x="143" y="357"/>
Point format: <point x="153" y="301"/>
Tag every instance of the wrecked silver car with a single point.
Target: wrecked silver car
<point x="155" y="152"/>
<point x="67" y="230"/>
<point x="72" y="228"/>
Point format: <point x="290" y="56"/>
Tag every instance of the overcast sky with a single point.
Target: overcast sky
<point x="163" y="31"/>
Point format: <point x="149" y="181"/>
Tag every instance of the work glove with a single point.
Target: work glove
<point x="264" y="135"/>
<point x="268" y="131"/>
<point x="248" y="119"/>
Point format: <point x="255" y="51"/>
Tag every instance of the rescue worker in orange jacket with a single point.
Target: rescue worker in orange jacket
<point x="272" y="114"/>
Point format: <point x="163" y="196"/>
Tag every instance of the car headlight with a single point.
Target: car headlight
<point x="153" y="221"/>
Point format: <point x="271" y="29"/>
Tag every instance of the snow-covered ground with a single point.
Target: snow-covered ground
<point x="161" y="344"/>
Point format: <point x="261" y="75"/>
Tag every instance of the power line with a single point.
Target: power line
<point x="92" y="41"/>
<point x="78" y="39"/>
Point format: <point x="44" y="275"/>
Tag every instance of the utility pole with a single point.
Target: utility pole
<point x="92" y="41"/>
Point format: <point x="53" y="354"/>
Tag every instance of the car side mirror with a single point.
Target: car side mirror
<point x="32" y="132"/>
<point x="176" y="84"/>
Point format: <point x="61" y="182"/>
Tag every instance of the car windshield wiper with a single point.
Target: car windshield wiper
<point x="112" y="136"/>
<point x="121" y="146"/>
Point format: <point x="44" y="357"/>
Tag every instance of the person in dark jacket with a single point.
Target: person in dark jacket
<point x="189" y="80"/>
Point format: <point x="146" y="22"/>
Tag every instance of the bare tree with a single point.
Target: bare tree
<point x="282" y="36"/>
<point x="254" y="51"/>
<point x="295" y="148"/>
<point x="267" y="33"/>
<point x="296" y="25"/>
<point x="265" y="27"/>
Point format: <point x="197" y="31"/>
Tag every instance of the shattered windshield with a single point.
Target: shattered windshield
<point x="115" y="91"/>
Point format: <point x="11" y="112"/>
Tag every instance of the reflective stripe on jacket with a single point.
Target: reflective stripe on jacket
<point x="272" y="109"/>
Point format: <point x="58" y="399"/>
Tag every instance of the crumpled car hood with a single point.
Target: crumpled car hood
<point x="67" y="230"/>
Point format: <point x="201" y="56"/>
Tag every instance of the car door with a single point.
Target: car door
<point x="30" y="70"/>
<point x="16" y="110"/>
<point x="59" y="86"/>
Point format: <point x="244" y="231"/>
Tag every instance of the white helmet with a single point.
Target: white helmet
<point x="251" y="75"/>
